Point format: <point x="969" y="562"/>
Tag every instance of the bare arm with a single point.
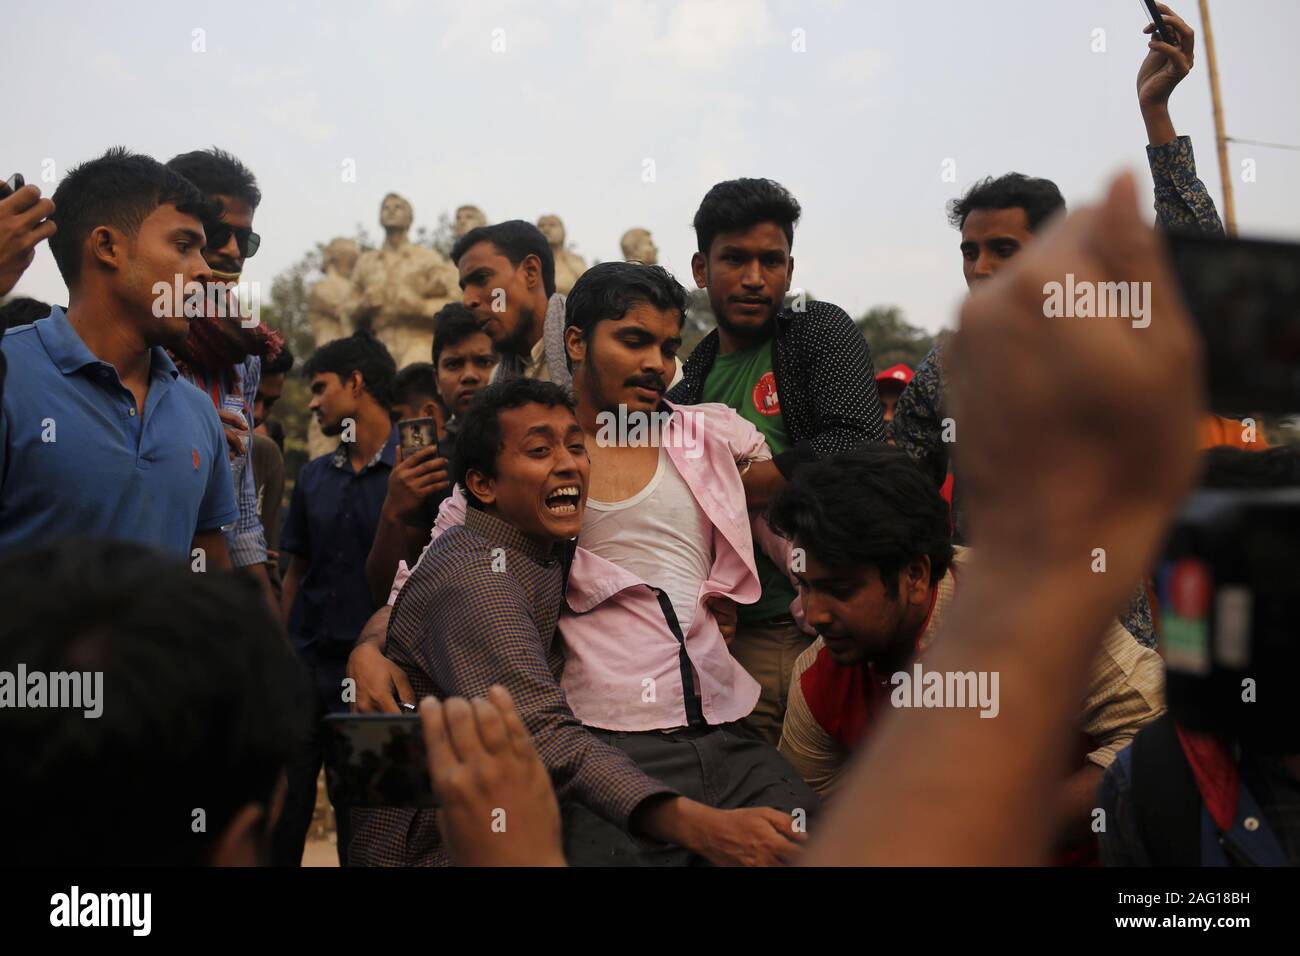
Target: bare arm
<point x="395" y="541"/>
<point x="410" y="484"/>
<point x="213" y="545"/>
<point x="762" y="482"/>
<point x="380" y="682"/>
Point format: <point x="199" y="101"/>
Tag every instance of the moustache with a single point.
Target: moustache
<point x="648" y="381"/>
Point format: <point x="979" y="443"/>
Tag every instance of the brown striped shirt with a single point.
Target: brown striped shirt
<point x="481" y="609"/>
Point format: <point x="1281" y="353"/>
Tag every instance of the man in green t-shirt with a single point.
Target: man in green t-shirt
<point x="801" y="374"/>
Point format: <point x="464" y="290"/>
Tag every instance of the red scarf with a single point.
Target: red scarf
<point x="211" y="351"/>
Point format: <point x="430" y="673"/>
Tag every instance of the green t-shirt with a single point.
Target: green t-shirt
<point x="744" y="380"/>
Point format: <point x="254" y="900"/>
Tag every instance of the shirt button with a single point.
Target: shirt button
<point x="1251" y="824"/>
<point x="133" y="412"/>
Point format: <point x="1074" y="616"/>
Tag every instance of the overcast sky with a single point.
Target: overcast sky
<point x="854" y="106"/>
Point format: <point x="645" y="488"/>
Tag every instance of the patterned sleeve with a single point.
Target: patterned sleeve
<point x="452" y="649"/>
<point x="918" y="417"/>
<point x="1183" y="204"/>
<point x="1125" y="693"/>
<point x="247" y="540"/>
<point x="845" y="402"/>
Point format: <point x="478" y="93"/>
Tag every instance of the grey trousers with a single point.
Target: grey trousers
<point x="714" y="766"/>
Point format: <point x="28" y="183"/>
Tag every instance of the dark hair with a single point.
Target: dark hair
<point x="358" y="352"/>
<point x="21" y="311"/>
<point x="869" y="506"/>
<point x="479" y="442"/>
<point x="203" y="702"/>
<point x="453" y="324"/>
<point x="516" y="240"/>
<point x="282" y="364"/>
<point x="414" y="384"/>
<point x="607" y="290"/>
<point x="1236" y="469"/>
<point x="218" y="173"/>
<point x="119" y="189"/>
<point x="1039" y="198"/>
<point x="742" y="203"/>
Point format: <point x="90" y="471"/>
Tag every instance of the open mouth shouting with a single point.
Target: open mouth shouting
<point x="564" y="500"/>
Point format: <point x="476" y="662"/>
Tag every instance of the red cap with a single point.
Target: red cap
<point x="896" y="373"/>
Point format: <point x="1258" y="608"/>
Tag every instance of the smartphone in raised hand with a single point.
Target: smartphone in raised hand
<point x="12" y="185"/>
<point x="1162" y="28"/>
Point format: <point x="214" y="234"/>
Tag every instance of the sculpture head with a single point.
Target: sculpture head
<point x="467" y="218"/>
<point x="340" y="257"/>
<point x="553" y="229"/>
<point x="639" y="247"/>
<point x="395" y="213"/>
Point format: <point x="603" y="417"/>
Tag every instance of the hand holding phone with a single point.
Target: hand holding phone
<point x="377" y="760"/>
<point x="12" y="185"/>
<point x="1170" y="56"/>
<point x="1156" y="17"/>
<point x="498" y="807"/>
<point x="24" y="222"/>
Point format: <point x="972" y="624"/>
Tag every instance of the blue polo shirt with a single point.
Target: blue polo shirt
<point x="332" y="520"/>
<point x="78" y="458"/>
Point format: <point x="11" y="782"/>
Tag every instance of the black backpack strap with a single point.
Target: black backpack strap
<point x="1166" y="801"/>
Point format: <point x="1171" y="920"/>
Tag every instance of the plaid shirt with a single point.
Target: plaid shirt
<point x="246" y="541"/>
<point x="824" y="376"/>
<point x="464" y="622"/>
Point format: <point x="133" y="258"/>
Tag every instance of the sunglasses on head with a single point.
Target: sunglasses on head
<point x="219" y="234"/>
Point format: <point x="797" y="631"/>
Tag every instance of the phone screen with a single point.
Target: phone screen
<point x="1244" y="295"/>
<point x="376" y="760"/>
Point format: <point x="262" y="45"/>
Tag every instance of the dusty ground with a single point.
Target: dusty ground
<point x="322" y="838"/>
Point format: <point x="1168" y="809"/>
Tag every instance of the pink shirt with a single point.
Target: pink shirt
<point x="623" y="664"/>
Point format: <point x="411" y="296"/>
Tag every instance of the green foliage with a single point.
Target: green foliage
<point x="443" y="236"/>
<point x="892" y="338"/>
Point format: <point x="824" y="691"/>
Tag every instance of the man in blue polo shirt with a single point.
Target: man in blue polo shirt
<point x="98" y="436"/>
<point x="332" y="520"/>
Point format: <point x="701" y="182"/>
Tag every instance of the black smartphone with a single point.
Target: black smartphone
<point x="12" y="185"/>
<point x="1244" y="295"/>
<point x="377" y="760"/>
<point x="1162" y="28"/>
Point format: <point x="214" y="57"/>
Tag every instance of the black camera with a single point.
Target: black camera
<point x="1228" y="584"/>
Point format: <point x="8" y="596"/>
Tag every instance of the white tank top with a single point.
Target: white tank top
<point x="660" y="534"/>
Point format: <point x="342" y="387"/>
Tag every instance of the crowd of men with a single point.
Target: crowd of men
<point x="643" y="650"/>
